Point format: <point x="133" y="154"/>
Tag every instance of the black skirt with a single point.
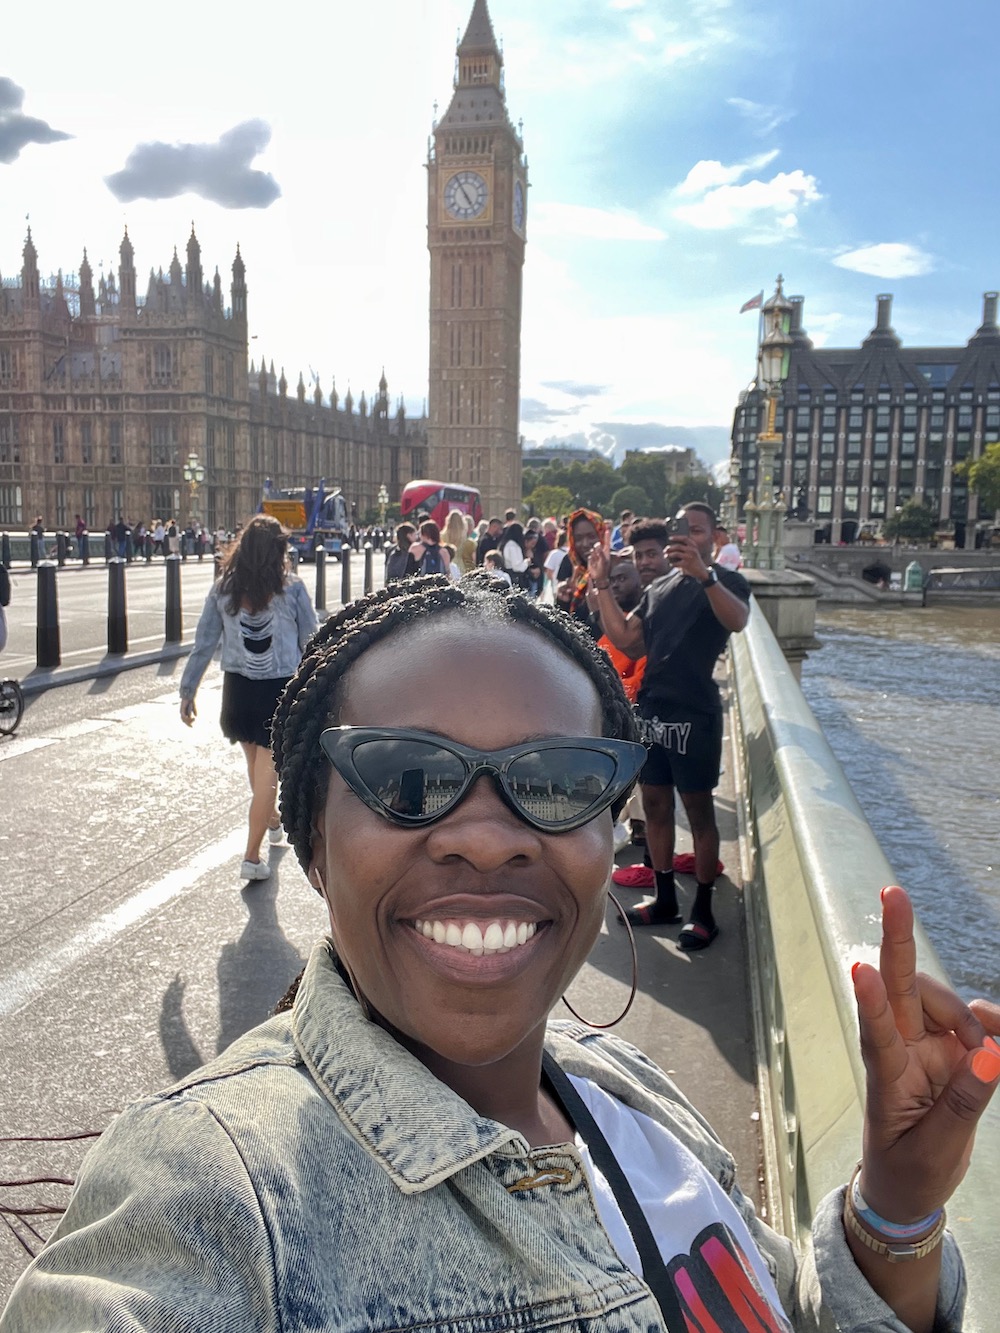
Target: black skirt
<point x="247" y="708"/>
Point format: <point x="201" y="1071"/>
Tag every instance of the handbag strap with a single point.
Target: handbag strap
<point x="654" y="1270"/>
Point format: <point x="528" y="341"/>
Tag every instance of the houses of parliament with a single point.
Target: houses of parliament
<point x="105" y="392"/>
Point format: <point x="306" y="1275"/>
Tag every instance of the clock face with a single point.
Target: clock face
<point x="519" y="205"/>
<point x="465" y="195"/>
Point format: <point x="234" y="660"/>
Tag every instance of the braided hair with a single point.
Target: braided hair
<point x="312" y="698"/>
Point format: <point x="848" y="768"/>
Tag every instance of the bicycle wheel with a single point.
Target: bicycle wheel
<point x="11" y="706"/>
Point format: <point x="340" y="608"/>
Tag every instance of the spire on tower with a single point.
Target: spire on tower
<point x="238" y="290"/>
<point x="126" y="275"/>
<point x="29" y="270"/>
<point x="88" y="307"/>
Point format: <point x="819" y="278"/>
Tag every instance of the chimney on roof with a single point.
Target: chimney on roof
<point x="883" y="330"/>
<point x="989" y="312"/>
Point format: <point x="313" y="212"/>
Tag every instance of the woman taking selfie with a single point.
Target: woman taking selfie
<point x="263" y="616"/>
<point x="412" y="1144"/>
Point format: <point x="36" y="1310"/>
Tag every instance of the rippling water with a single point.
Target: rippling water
<point x="909" y="700"/>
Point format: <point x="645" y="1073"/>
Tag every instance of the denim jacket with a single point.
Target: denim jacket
<point x="266" y="645"/>
<point x="316" y="1177"/>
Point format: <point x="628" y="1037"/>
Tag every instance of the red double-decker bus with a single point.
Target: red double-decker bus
<point x="438" y="499"/>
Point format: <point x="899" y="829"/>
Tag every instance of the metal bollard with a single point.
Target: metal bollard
<point x="147" y="549"/>
<point x="174" y="630"/>
<point x="201" y="547"/>
<point x="84" y="548"/>
<point x="369" y="569"/>
<point x="108" y="548"/>
<point x="129" y="549"/>
<point x="320" y="578"/>
<point x="61" y="549"/>
<point x="5" y="549"/>
<point x="47" y="649"/>
<point x="345" y="574"/>
<point x="36" y="550"/>
<point x="117" y="616"/>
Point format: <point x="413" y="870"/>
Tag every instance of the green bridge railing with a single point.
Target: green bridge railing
<point x="813" y="873"/>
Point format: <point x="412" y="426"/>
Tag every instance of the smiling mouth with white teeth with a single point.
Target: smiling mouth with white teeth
<point x="497" y="937"/>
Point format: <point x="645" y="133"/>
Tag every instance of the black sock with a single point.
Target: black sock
<point x="666" y="892"/>
<point x="702" y="907"/>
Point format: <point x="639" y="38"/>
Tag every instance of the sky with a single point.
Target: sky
<point x="681" y="154"/>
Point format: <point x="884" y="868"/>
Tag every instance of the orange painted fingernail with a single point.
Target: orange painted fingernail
<point x="986" y="1065"/>
<point x="881" y="895"/>
<point x="993" y="1042"/>
<point x="854" y="969"/>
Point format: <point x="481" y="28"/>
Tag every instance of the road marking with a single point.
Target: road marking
<point x="20" y="987"/>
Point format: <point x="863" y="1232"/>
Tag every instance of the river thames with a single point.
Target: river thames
<point x="909" y="700"/>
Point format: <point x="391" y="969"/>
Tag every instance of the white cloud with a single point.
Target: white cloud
<point x="889" y="259"/>
<point x="708" y="174"/>
<point x="764" y="119"/>
<point x="593" y="224"/>
<point x="766" y="209"/>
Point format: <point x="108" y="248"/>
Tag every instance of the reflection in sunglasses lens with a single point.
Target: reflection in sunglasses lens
<point x="409" y="777"/>
<point x="557" y="785"/>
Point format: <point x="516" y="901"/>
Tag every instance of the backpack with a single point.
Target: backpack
<point x="399" y="564"/>
<point x="431" y="562"/>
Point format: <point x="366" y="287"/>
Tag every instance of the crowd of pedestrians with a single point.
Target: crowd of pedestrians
<point x="661" y="599"/>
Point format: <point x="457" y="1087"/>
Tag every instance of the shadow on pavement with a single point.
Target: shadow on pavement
<point x="253" y="973"/>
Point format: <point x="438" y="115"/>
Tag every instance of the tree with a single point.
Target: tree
<point x="631" y="497"/>
<point x="550" y="501"/>
<point x="912" y="522"/>
<point x="983" y="475"/>
<point x="701" y="489"/>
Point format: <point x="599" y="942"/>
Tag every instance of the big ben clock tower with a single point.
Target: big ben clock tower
<point x="477" y="185"/>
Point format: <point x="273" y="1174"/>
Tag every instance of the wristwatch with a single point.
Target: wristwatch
<point x="712" y="578"/>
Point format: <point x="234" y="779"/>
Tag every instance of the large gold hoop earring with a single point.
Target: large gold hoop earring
<point x="600" y="1027"/>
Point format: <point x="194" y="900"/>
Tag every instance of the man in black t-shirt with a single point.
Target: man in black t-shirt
<point x="681" y="625"/>
<point x="490" y="540"/>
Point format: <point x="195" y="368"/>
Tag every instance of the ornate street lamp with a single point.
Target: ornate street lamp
<point x="765" y="550"/>
<point x="383" y="503"/>
<point x="194" y="474"/>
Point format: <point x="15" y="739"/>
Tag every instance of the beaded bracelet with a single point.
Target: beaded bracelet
<point x="901" y="1231"/>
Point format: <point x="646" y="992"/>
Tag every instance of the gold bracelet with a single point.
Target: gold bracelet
<point x="894" y="1252"/>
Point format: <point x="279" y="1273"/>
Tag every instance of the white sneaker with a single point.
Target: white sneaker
<point x="276" y="835"/>
<point x="621" y="835"/>
<point x="255" y="870"/>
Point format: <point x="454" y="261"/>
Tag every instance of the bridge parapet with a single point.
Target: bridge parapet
<point x="813" y="870"/>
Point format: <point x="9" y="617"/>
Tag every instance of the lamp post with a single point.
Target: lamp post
<point x="383" y="504"/>
<point x="766" y="550"/>
<point x="194" y="474"/>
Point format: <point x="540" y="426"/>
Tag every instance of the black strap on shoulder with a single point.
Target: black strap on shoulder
<point x="654" y="1270"/>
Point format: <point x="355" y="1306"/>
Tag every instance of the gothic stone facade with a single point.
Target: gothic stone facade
<point x="104" y="395"/>
<point x="866" y="429"/>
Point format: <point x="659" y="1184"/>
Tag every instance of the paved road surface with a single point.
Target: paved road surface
<point x="130" y="951"/>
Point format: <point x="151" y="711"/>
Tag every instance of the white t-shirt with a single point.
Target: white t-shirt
<point x="702" y="1239"/>
<point x="729" y="556"/>
<point x="553" y="560"/>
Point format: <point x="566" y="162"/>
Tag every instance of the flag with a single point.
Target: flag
<point x="754" y="303"/>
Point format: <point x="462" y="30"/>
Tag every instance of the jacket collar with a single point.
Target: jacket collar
<point x="385" y="1097"/>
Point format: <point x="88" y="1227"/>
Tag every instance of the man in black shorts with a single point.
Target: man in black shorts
<point x="681" y="625"/>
